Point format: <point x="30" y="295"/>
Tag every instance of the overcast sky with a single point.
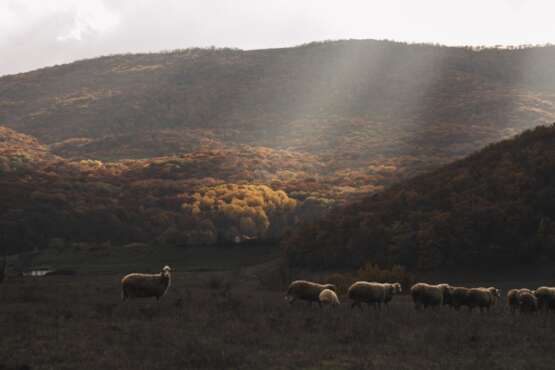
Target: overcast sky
<point x="38" y="33"/>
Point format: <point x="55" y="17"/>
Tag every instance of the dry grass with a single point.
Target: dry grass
<point x="79" y="323"/>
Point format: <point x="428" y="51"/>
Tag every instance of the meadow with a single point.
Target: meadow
<point x="227" y="320"/>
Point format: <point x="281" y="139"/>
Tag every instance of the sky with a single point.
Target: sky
<point x="39" y="33"/>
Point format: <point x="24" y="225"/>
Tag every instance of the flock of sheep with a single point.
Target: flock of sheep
<point x="424" y="295"/>
<point x="373" y="294"/>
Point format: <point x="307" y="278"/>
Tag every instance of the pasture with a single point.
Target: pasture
<point x="224" y="321"/>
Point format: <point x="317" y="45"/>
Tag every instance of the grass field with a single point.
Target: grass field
<point x="110" y="259"/>
<point x="222" y="321"/>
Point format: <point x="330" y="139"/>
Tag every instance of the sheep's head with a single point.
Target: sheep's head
<point x="166" y="271"/>
<point x="494" y="291"/>
<point x="397" y="288"/>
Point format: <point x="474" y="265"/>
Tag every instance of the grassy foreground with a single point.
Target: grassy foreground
<point x="210" y="321"/>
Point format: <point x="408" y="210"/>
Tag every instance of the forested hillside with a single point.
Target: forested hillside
<point x="202" y="146"/>
<point x="375" y="110"/>
<point x="492" y="209"/>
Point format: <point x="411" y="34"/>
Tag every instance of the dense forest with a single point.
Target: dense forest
<point x="203" y="146"/>
<point x="492" y="209"/>
<point x="191" y="199"/>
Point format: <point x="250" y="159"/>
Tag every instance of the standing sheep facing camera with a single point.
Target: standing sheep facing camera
<point x="138" y="285"/>
<point x="482" y="298"/>
<point x="424" y="295"/>
<point x="372" y="293"/>
<point x="306" y="291"/>
<point x="328" y="297"/>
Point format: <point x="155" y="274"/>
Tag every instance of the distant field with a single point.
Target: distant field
<point x="152" y="258"/>
<point x="218" y="321"/>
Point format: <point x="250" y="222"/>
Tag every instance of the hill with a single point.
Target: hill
<point x="203" y="146"/>
<point x="493" y="209"/>
<point x="376" y="110"/>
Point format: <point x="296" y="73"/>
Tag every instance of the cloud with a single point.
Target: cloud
<point x="90" y="18"/>
<point x="36" y="33"/>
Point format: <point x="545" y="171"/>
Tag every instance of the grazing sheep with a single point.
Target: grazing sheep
<point x="328" y="297"/>
<point x="306" y="291"/>
<point x="482" y="298"/>
<point x="546" y="298"/>
<point x="146" y="285"/>
<point x="513" y="298"/>
<point x="458" y="297"/>
<point x="424" y="295"/>
<point x="528" y="303"/>
<point x="372" y="293"/>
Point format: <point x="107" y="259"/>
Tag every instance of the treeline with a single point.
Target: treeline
<point x="494" y="208"/>
<point x="201" y="198"/>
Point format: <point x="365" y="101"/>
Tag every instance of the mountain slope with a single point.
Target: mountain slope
<point x="492" y="209"/>
<point x="349" y="99"/>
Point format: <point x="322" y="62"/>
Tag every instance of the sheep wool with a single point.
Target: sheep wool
<point x="483" y="298"/>
<point x="426" y="295"/>
<point x="306" y="291"/>
<point x="138" y="285"/>
<point x="372" y="293"/>
<point x="513" y="298"/>
<point x="546" y="298"/>
<point x="328" y="297"/>
<point x="458" y="297"/>
<point x="528" y="303"/>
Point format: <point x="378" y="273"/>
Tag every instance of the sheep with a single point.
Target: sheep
<point x="424" y="295"/>
<point x="458" y="297"/>
<point x="513" y="298"/>
<point x="306" y="291"/>
<point x="528" y="303"/>
<point x="328" y="297"/>
<point x="482" y="298"/>
<point x="372" y="293"/>
<point x="137" y="285"/>
<point x="546" y="298"/>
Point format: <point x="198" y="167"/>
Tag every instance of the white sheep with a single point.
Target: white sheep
<point x="546" y="298"/>
<point x="372" y="293"/>
<point x="328" y="297"/>
<point x="483" y="298"/>
<point x="513" y="298"/>
<point x="146" y="285"/>
<point x="306" y="291"/>
<point x="424" y="295"/>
